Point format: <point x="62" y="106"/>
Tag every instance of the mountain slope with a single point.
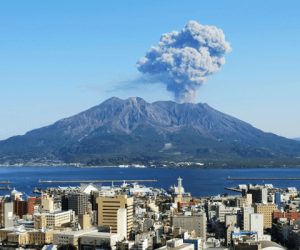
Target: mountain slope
<point x="133" y="127"/>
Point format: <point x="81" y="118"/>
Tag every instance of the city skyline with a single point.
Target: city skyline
<point x="59" y="59"/>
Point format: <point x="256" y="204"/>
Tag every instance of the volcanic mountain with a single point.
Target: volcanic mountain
<point x="163" y="129"/>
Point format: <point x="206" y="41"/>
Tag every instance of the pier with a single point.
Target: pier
<point x="93" y="181"/>
<point x="234" y="189"/>
<point x="264" y="178"/>
<point x="2" y="182"/>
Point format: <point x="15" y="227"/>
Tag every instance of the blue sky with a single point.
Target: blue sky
<point x="52" y="52"/>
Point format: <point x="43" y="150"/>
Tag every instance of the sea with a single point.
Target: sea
<point x="199" y="182"/>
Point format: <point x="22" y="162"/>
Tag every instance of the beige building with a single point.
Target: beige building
<point x="4" y="232"/>
<point x="108" y="211"/>
<point x="19" y="238"/>
<point x="58" y="219"/>
<point x="71" y="237"/>
<point x="47" y="204"/>
<point x="196" y="222"/>
<point x="41" y="237"/>
<point x="267" y="211"/>
<point x="12" y="233"/>
<point x="40" y="221"/>
<point x="84" y="220"/>
<point x="245" y="201"/>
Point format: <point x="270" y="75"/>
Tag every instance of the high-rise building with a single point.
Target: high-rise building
<point x="122" y="223"/>
<point x="6" y="214"/>
<point x="246" y="211"/>
<point x="278" y="199"/>
<point x="267" y="211"/>
<point x="108" y="211"/>
<point x="257" y="223"/>
<point x="78" y="202"/>
<point x="259" y="195"/>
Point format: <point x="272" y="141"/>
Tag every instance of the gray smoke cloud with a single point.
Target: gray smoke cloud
<point x="184" y="60"/>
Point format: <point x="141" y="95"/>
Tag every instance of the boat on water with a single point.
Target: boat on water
<point x="123" y="166"/>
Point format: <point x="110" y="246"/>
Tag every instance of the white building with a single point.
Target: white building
<point x="246" y="217"/>
<point x="122" y="223"/>
<point x="257" y="223"/>
<point x="59" y="218"/>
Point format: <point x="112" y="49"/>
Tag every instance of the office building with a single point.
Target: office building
<point x="257" y="223"/>
<point x="259" y="195"/>
<point x="6" y="214"/>
<point x="78" y="202"/>
<point x="59" y="219"/>
<point x="267" y="211"/>
<point x="196" y="221"/>
<point x="108" y="211"/>
<point x="246" y="211"/>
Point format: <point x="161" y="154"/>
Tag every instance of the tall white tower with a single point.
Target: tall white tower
<point x="179" y="185"/>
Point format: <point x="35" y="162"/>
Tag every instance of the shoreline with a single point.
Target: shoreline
<point x="145" y="167"/>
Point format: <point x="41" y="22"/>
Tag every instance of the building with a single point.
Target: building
<point x="6" y="214"/>
<point x="257" y="223"/>
<point x="41" y="236"/>
<point x="231" y="222"/>
<point x="222" y="210"/>
<point x="196" y="222"/>
<point x="108" y="211"/>
<point x="267" y="211"/>
<point x="244" y="201"/>
<point x="278" y="200"/>
<point x="259" y="195"/>
<point x="177" y="244"/>
<point x="71" y="237"/>
<point x="145" y="241"/>
<point x="246" y="211"/>
<point x="122" y="223"/>
<point x="18" y="238"/>
<point x="78" y="202"/>
<point x="84" y="220"/>
<point x="98" y="240"/>
<point x="22" y="207"/>
<point x="147" y="224"/>
<point x="60" y="218"/>
<point x="16" y="195"/>
<point x="125" y="245"/>
<point x="259" y="245"/>
<point x="291" y="215"/>
<point x="40" y="221"/>
<point x="47" y="204"/>
<point x="198" y="243"/>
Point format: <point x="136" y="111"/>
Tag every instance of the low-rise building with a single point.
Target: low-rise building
<point x="71" y="237"/>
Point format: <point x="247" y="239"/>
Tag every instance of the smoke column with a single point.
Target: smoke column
<point x="184" y="60"/>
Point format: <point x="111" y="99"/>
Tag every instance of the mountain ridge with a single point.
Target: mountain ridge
<point x="134" y="127"/>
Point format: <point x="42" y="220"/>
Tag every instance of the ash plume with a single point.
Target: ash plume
<point x="184" y="60"/>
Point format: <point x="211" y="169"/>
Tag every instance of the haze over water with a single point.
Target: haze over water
<point x="199" y="182"/>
